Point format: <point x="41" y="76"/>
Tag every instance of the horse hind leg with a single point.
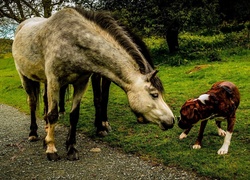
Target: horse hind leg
<point x="63" y="90"/>
<point x="32" y="88"/>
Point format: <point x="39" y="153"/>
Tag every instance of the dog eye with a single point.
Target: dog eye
<point x="154" y="95"/>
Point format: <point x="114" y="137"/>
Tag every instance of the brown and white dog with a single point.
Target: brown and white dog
<point x="221" y="100"/>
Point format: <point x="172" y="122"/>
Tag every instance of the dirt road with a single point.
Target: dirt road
<point x="20" y="159"/>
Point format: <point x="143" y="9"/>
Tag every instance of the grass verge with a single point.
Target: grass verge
<point x="148" y="141"/>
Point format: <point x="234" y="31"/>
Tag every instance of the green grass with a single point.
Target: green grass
<point x="147" y="140"/>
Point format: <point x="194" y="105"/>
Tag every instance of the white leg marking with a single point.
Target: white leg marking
<point x="225" y="146"/>
<point x="182" y="136"/>
<point x="49" y="139"/>
<point x="221" y="132"/>
<point x="196" y="146"/>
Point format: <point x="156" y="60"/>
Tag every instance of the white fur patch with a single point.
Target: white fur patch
<point x="203" y="98"/>
<point x="182" y="136"/>
<point x="221" y="132"/>
<point x="225" y="146"/>
<point x="196" y="146"/>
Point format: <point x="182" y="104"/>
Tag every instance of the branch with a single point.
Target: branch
<point x="9" y="13"/>
<point x="57" y="3"/>
<point x="31" y="7"/>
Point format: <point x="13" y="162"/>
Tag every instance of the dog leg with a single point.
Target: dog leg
<point x="221" y="132"/>
<point x="227" y="139"/>
<point x="197" y="144"/>
<point x="184" y="133"/>
<point x="225" y="146"/>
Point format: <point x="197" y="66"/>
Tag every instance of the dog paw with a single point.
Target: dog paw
<point x="182" y="136"/>
<point x="222" y="151"/>
<point x="221" y="132"/>
<point x="196" y="146"/>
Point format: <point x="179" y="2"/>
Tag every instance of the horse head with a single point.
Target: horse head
<point x="146" y="101"/>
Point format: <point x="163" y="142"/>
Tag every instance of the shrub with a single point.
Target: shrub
<point x="195" y="47"/>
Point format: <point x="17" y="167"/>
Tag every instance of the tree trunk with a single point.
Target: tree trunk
<point x="47" y="6"/>
<point x="172" y="37"/>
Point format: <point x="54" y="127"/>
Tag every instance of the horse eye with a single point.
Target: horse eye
<point x="154" y="95"/>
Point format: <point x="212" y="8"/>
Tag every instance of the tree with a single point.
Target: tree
<point x="238" y="11"/>
<point x="19" y="10"/>
<point x="13" y="12"/>
<point x="166" y="17"/>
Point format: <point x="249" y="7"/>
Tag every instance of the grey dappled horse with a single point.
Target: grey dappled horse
<point x="66" y="49"/>
<point x="100" y="86"/>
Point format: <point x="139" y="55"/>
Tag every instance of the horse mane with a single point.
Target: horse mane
<point x="128" y="40"/>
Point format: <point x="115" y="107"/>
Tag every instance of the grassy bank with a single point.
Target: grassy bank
<point x="187" y="77"/>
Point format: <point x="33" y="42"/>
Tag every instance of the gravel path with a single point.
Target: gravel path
<point x="20" y="159"/>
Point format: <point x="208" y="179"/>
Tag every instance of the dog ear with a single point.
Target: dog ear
<point x="190" y="113"/>
<point x="184" y="110"/>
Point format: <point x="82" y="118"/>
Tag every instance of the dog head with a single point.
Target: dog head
<point x="189" y="114"/>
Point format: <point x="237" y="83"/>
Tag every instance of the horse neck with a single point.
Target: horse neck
<point x="119" y="69"/>
<point x="109" y="59"/>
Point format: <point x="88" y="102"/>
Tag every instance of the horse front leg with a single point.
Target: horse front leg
<point x="79" y="89"/>
<point x="100" y="87"/>
<point x="197" y="144"/>
<point x="52" y="117"/>
<point x="104" y="103"/>
<point x="230" y="126"/>
<point x="72" y="153"/>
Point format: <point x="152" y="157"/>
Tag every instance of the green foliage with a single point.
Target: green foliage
<point x="196" y="47"/>
<point x="5" y="46"/>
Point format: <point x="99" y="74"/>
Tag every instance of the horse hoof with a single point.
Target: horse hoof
<point x="72" y="154"/>
<point x="53" y="157"/>
<point x="102" y="133"/>
<point x="33" y="138"/>
<point x="106" y="126"/>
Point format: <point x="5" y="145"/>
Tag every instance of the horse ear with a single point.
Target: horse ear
<point x="151" y="75"/>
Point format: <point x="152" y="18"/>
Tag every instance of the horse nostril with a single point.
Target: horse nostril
<point x="167" y="126"/>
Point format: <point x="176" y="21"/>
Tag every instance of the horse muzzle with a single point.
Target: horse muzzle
<point x="165" y="126"/>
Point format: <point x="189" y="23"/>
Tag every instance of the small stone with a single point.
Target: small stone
<point x="96" y="150"/>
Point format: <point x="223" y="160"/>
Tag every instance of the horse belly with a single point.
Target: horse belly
<point x="28" y="60"/>
<point x="31" y="70"/>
